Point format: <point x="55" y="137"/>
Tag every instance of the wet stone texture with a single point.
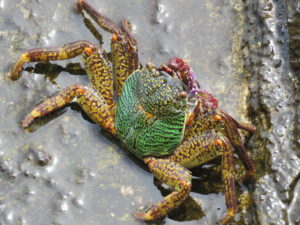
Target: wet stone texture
<point x="64" y="170"/>
<point x="272" y="60"/>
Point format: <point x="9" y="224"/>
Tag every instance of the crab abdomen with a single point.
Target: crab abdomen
<point x="150" y="115"/>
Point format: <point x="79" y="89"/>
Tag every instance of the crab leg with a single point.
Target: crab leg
<point x="123" y="45"/>
<point x="174" y="175"/>
<point x="66" y="51"/>
<point x="96" y="64"/>
<point x="92" y="103"/>
<point x="228" y="176"/>
<point x="99" y="72"/>
<point x="209" y="120"/>
<point x="197" y="150"/>
<point x="124" y="58"/>
<point x="100" y="19"/>
<point x="236" y="141"/>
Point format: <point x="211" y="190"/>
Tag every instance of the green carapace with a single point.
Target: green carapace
<point x="151" y="113"/>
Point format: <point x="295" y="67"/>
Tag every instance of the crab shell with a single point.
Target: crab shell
<point x="151" y="112"/>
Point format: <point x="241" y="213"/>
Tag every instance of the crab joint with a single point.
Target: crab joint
<point x="114" y="37"/>
<point x="88" y="50"/>
<point x="231" y="212"/>
<point x="218" y="117"/>
<point x="79" y="91"/>
<point x="109" y="125"/>
<point x="190" y="118"/>
<point x="219" y="142"/>
<point x="148" y="160"/>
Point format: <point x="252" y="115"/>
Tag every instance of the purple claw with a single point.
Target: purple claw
<point x="206" y="101"/>
<point x="186" y="74"/>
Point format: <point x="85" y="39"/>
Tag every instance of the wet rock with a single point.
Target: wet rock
<point x="78" y="202"/>
<point x="83" y="175"/>
<point x="161" y="13"/>
<point x="41" y="157"/>
<point x="8" y="167"/>
<point x="270" y="209"/>
<point x="274" y="103"/>
<point x="127" y="190"/>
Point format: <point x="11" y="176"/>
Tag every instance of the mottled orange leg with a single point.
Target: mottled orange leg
<point x="100" y="72"/>
<point x="240" y="125"/>
<point x="67" y="51"/>
<point x="228" y="175"/>
<point x="100" y="19"/>
<point x="236" y="141"/>
<point x="174" y="175"/>
<point x="92" y="103"/>
<point x="125" y="61"/>
<point x="197" y="150"/>
<point x="96" y="63"/>
<point x="97" y="108"/>
<point x="123" y="45"/>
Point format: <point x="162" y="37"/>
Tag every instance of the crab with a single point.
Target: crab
<point x="160" y="114"/>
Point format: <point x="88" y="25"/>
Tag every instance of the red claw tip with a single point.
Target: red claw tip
<point x="176" y="63"/>
<point x="210" y="102"/>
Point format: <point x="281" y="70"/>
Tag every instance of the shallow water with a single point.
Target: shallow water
<point x="240" y="56"/>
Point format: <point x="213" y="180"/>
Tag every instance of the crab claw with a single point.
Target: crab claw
<point x="207" y="101"/>
<point x="186" y="74"/>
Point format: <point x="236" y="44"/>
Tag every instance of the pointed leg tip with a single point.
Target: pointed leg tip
<point x="139" y="215"/>
<point x="143" y="216"/>
<point x="27" y="121"/>
<point x="15" y="74"/>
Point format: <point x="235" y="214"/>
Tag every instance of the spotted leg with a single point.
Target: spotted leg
<point x="199" y="149"/>
<point x="96" y="64"/>
<point x="96" y="100"/>
<point x="89" y="100"/>
<point x="222" y="122"/>
<point x="123" y="45"/>
<point x="236" y="141"/>
<point x="174" y="175"/>
<point x="228" y="176"/>
<point x="66" y="51"/>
